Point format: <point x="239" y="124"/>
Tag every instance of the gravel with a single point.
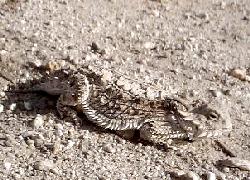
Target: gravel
<point x="195" y="49"/>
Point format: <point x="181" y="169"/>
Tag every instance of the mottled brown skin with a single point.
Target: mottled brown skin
<point x="110" y="107"/>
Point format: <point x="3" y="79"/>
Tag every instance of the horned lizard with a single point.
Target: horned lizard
<point x="109" y="106"/>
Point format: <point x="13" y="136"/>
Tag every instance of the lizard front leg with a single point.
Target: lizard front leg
<point x="163" y="132"/>
<point x="66" y="111"/>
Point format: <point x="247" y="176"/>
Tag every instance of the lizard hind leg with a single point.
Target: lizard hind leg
<point x="162" y="132"/>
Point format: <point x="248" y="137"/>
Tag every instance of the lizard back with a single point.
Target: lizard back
<point x="111" y="107"/>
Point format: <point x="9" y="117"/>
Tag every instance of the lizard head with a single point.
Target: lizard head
<point x="69" y="99"/>
<point x="205" y="120"/>
<point x="211" y="119"/>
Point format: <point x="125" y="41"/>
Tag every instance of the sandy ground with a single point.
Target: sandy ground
<point x="183" y="47"/>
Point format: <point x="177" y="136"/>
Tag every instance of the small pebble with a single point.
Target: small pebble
<point x="38" y="142"/>
<point x="37" y="63"/>
<point x="71" y="133"/>
<point x="191" y="176"/>
<point x="203" y="16"/>
<point x="88" y="57"/>
<point x="59" y="126"/>
<point x="107" y="76"/>
<point x="38" y="121"/>
<point x="27" y="106"/>
<point x="211" y="176"/>
<point x="2" y="94"/>
<point x="127" y="86"/>
<point x="2" y="40"/>
<point x="226" y="169"/>
<point x="108" y="148"/>
<point x="223" y="5"/>
<point x="27" y="134"/>
<point x="136" y="89"/>
<point x="30" y="143"/>
<point x="10" y="140"/>
<point x="55" y="170"/>
<point x="57" y="147"/>
<point x="221" y="176"/>
<point x="120" y="81"/>
<point x="3" y="52"/>
<point x="121" y="140"/>
<point x="239" y="73"/>
<point x="124" y="83"/>
<point x="247" y="78"/>
<point x="54" y="65"/>
<point x="44" y="165"/>
<point x="178" y="173"/>
<point x="70" y="144"/>
<point x="59" y="129"/>
<point x="13" y="106"/>
<point x="149" y="45"/>
<point x="156" y="13"/>
<point x="1" y="108"/>
<point x="150" y="93"/>
<point x="7" y="166"/>
<point x="216" y="93"/>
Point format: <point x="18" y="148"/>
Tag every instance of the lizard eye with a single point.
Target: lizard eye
<point x="175" y="105"/>
<point x="212" y="115"/>
<point x="74" y="95"/>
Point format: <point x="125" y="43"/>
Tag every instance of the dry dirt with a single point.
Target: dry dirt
<point x="184" y="47"/>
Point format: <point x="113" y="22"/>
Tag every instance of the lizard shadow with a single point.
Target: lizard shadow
<point x="31" y="104"/>
<point x="21" y="99"/>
